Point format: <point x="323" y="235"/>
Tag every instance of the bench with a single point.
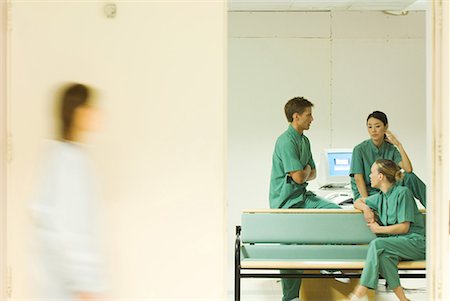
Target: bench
<point x="308" y="240"/>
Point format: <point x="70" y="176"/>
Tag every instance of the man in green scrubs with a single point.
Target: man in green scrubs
<point x="292" y="167"/>
<point x="382" y="145"/>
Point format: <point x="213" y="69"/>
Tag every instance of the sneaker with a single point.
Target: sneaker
<point x="334" y="272"/>
<point x="295" y="299"/>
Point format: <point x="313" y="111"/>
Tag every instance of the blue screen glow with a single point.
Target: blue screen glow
<point x="339" y="163"/>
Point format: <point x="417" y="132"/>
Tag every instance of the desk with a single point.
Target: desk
<point x="336" y="195"/>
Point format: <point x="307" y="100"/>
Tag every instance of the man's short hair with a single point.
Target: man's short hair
<point x="296" y="105"/>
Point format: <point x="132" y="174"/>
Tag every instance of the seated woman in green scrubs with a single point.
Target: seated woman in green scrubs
<point x="381" y="145"/>
<point x="393" y="213"/>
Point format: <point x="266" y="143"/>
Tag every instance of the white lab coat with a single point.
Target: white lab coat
<point x="67" y="257"/>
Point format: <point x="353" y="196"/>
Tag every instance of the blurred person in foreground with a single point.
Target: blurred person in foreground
<point x="68" y="260"/>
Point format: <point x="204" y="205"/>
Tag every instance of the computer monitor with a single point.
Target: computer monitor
<point x="335" y="167"/>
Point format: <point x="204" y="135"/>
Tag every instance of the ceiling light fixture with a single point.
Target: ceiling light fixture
<point x="396" y="12"/>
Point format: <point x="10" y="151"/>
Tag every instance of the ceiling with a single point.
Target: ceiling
<point x="327" y="5"/>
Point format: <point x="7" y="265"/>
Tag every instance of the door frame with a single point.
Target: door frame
<point x="438" y="148"/>
<point x="438" y="144"/>
<point x="3" y="146"/>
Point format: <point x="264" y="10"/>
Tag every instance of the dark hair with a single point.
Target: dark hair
<point x="389" y="169"/>
<point x="296" y="105"/>
<point x="378" y="115"/>
<point x="72" y="97"/>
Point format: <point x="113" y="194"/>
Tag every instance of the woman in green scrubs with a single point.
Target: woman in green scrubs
<point x="381" y="145"/>
<point x="392" y="213"/>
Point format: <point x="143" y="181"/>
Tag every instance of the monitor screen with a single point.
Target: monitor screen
<point x="335" y="167"/>
<point x="339" y="163"/>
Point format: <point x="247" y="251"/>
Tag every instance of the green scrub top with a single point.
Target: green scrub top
<point x="396" y="206"/>
<point x="292" y="152"/>
<point x="364" y="155"/>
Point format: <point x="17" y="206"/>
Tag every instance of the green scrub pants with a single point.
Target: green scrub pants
<point x="416" y="186"/>
<point x="383" y="256"/>
<point x="291" y="286"/>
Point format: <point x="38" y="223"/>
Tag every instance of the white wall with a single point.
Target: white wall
<point x="347" y="63"/>
<point x="160" y="69"/>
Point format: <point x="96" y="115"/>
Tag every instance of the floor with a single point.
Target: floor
<point x="270" y="290"/>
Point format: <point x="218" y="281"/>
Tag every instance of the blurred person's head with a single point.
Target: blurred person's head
<point x="77" y="112"/>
